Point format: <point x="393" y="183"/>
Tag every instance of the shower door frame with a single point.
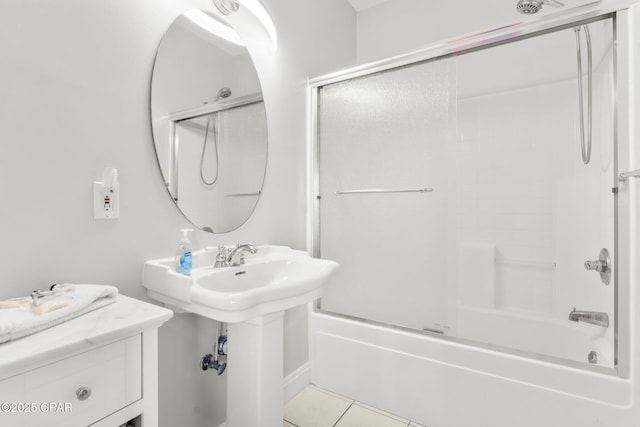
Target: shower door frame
<point x="622" y="208"/>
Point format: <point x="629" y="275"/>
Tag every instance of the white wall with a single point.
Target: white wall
<point x="75" y="99"/>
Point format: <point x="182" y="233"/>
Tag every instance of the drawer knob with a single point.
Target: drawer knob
<point x="83" y="393"/>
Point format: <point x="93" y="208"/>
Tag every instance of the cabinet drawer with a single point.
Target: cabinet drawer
<point x="76" y="391"/>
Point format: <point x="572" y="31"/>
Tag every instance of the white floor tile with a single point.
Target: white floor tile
<point x="287" y="424"/>
<point x="359" y="416"/>
<point x="412" y="424"/>
<point x="313" y="407"/>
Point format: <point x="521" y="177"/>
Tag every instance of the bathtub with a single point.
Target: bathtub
<point x="439" y="382"/>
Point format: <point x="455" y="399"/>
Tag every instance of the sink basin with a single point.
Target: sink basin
<point x="276" y="278"/>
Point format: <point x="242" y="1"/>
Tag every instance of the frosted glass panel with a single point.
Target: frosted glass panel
<point x="388" y="131"/>
<point x="495" y="253"/>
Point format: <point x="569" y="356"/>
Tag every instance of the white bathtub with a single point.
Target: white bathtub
<point x="442" y="383"/>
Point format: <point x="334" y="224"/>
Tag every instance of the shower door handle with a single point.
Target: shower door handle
<point x="601" y="265"/>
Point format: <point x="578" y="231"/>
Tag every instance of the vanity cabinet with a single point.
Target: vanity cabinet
<point x="100" y="373"/>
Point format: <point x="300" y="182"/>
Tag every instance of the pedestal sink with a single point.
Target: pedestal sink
<point x="251" y="298"/>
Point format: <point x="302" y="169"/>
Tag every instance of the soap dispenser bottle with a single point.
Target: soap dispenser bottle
<point x="183" y="254"/>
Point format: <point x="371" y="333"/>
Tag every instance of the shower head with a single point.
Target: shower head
<point x="225" y="92"/>
<point x="529" y="7"/>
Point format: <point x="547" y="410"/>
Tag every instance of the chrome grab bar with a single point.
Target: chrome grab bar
<point x="631" y="174"/>
<point x="593" y="317"/>
<point x="380" y="190"/>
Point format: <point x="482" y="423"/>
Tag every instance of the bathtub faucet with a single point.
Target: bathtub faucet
<point x="593" y="317"/>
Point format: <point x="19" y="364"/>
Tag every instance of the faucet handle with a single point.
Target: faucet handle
<point x="222" y="257"/>
<point x="602" y="265"/>
<point x="596" y="265"/>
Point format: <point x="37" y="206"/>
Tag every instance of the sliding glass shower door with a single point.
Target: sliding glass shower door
<point x="454" y="194"/>
<point x="383" y="182"/>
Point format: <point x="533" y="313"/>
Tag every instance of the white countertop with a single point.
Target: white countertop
<point x="124" y="318"/>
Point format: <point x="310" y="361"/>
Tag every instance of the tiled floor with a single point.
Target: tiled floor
<point x="315" y="407"/>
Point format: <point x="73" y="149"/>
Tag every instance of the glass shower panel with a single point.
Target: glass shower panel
<point x="495" y="253"/>
<point x="390" y="132"/>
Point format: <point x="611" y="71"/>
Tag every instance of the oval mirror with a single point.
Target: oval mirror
<point x="209" y="122"/>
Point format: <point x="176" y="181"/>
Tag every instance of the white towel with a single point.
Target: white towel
<point x="17" y="322"/>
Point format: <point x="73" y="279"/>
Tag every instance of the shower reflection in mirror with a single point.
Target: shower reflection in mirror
<point x="224" y="93"/>
<point x="212" y="148"/>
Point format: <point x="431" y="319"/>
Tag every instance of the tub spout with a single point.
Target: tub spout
<point x="593" y="317"/>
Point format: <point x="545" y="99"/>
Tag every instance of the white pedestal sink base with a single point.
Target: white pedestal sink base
<point x="251" y="298"/>
<point x="255" y="372"/>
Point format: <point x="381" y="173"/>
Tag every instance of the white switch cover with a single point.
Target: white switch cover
<point x="106" y="201"/>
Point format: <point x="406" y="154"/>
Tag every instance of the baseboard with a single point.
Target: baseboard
<point x="296" y="381"/>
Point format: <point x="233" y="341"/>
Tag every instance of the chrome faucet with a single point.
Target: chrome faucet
<point x="233" y="257"/>
<point x="593" y="317"/>
<point x="236" y="257"/>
